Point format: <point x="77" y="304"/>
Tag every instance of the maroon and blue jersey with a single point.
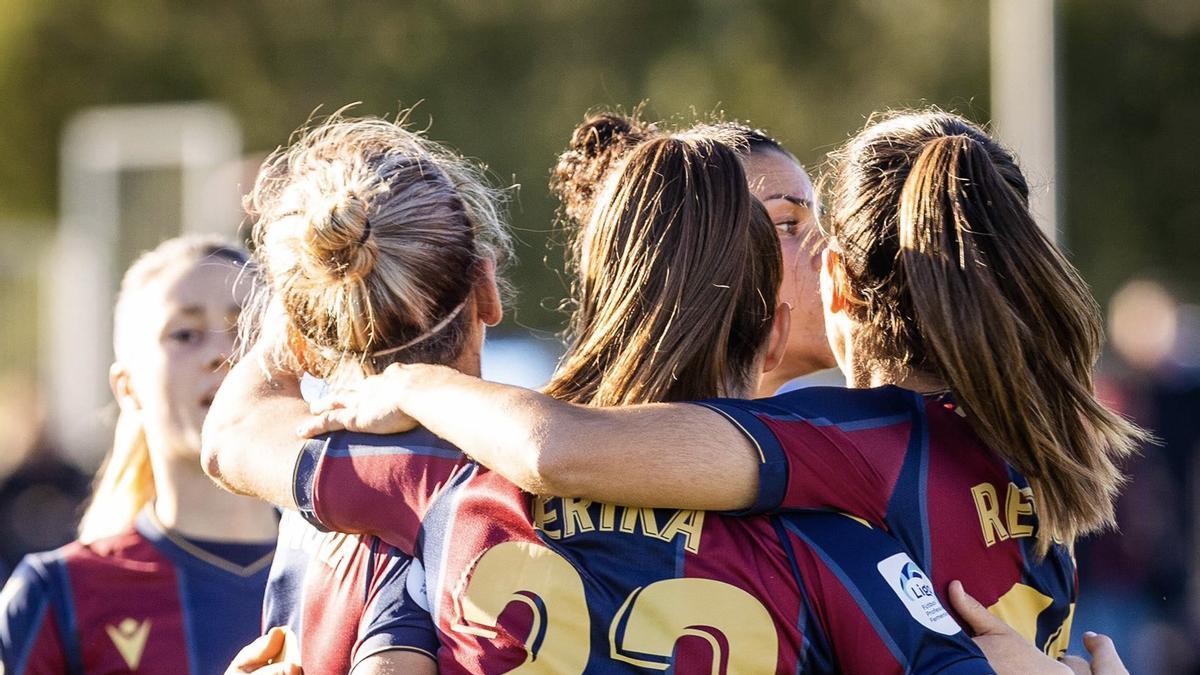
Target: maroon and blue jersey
<point x="569" y="586"/>
<point x="146" y="601"/>
<point x="344" y="598"/>
<point x="914" y="465"/>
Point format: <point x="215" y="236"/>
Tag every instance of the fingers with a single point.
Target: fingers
<point x="256" y="654"/>
<point x="1105" y="660"/>
<point x="1078" y="666"/>
<point x="325" y="422"/>
<point x="980" y="620"/>
<point x="326" y="404"/>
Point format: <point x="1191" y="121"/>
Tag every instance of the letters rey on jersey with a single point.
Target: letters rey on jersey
<point x="564" y="517"/>
<point x="1012" y="520"/>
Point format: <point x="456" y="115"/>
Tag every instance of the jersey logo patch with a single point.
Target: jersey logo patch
<point x="129" y="637"/>
<point x="915" y="591"/>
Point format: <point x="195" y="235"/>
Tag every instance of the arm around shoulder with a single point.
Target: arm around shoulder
<point x="660" y="455"/>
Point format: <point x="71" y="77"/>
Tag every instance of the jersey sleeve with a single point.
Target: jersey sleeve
<point x="30" y="641"/>
<point x="825" y="447"/>
<point x="394" y="620"/>
<point x="870" y="608"/>
<point x="379" y="485"/>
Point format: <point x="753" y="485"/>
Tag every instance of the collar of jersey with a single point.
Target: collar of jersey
<point x="186" y="553"/>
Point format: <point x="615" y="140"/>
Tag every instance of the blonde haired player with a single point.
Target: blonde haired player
<point x="168" y="572"/>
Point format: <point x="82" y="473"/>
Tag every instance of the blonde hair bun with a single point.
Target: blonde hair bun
<point x="372" y="237"/>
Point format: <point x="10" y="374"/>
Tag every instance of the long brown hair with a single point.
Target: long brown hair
<point x="679" y="270"/>
<point x="949" y="274"/>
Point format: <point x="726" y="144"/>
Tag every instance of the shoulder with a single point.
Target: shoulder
<point x="841" y="404"/>
<point x="346" y="447"/>
<point x="823" y="406"/>
<point x="38" y="587"/>
<point x="33" y="581"/>
<point x="74" y="562"/>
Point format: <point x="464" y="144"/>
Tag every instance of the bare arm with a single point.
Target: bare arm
<point x="661" y="455"/>
<point x="249" y="443"/>
<point x="396" y="662"/>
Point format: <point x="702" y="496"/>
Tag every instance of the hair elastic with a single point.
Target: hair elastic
<point x="427" y="334"/>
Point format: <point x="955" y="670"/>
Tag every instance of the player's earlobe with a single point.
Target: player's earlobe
<point x="299" y="348"/>
<point x="777" y="340"/>
<point x="833" y="281"/>
<point x="122" y="388"/>
<point x="487" y="294"/>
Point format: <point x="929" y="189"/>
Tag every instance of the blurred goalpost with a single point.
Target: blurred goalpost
<point x="100" y="148"/>
<point x="1024" y="76"/>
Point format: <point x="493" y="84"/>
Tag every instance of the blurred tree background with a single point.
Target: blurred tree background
<point x="506" y="81"/>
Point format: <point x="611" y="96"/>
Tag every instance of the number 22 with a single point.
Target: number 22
<point x="642" y="633"/>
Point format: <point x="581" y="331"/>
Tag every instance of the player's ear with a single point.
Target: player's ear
<point x="487" y="294"/>
<point x="834" y="291"/>
<point x="777" y="341"/>
<point x="122" y="388"/>
<point x="299" y="348"/>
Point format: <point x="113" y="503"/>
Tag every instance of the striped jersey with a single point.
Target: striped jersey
<point x="344" y="598"/>
<point x="146" y="601"/>
<point x="913" y="465"/>
<point x="570" y="586"/>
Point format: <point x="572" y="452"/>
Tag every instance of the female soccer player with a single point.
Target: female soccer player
<point x="775" y="177"/>
<point x="168" y="573"/>
<point x="780" y="182"/>
<point x="596" y="586"/>
<point x="343" y="186"/>
<point x="968" y="342"/>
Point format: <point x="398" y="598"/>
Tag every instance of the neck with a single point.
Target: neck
<point x="469" y="362"/>
<point x="189" y="503"/>
<point x="860" y="375"/>
<point x="917" y="380"/>
<point x="770" y="383"/>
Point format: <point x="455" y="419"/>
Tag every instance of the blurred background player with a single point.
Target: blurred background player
<point x="1136" y="581"/>
<point x="168" y="572"/>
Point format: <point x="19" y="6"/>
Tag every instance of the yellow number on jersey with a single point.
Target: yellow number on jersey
<point x="667" y="610"/>
<point x="1020" y="607"/>
<point x="654" y="617"/>
<point x="541" y="579"/>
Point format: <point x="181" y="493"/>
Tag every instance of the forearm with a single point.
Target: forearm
<point x="396" y="662"/>
<point x="249" y="439"/>
<point x="662" y="455"/>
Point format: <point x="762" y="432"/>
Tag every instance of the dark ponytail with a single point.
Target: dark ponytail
<point x="958" y="281"/>
<point x="596" y="145"/>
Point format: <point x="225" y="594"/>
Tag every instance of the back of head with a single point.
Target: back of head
<point x="748" y="139"/>
<point x="371" y="237"/>
<point x="679" y="274"/>
<point x="951" y="275"/>
<point x="125" y="483"/>
<point x="596" y="146"/>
